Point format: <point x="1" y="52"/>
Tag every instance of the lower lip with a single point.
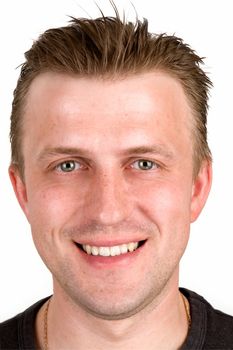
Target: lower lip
<point x="98" y="261"/>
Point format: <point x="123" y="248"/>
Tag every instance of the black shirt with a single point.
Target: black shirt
<point x="210" y="329"/>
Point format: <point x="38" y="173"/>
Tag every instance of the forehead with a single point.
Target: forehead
<point x="113" y="115"/>
<point x="141" y="94"/>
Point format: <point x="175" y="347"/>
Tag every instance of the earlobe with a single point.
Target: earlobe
<point x="201" y="189"/>
<point x="19" y="188"/>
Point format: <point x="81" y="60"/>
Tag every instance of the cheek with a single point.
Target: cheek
<point x="168" y="207"/>
<point x="166" y="203"/>
<point x="51" y="206"/>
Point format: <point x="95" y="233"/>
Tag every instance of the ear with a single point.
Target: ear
<point x="201" y="188"/>
<point x="19" y="188"/>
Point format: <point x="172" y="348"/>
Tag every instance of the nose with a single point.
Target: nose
<point x="108" y="201"/>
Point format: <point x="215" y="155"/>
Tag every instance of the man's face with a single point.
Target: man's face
<point x="108" y="164"/>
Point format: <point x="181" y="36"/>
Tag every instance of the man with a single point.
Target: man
<point x="110" y="164"/>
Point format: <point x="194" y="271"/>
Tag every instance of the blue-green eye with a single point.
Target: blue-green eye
<point x="68" y="166"/>
<point x="144" y="164"/>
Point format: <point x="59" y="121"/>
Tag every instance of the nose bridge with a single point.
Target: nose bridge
<point x="109" y="199"/>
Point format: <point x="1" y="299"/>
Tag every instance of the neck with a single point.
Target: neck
<point x="162" y="325"/>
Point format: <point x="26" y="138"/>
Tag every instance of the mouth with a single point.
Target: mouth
<point x="115" y="250"/>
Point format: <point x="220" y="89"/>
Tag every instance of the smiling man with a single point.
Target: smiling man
<point x="110" y="164"/>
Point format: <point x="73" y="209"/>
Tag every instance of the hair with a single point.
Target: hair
<point x="108" y="48"/>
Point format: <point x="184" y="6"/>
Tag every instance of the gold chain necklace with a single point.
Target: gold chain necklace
<point x="46" y="325"/>
<point x="185" y="301"/>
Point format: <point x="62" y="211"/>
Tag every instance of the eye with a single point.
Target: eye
<point x="144" y="164"/>
<point x="68" y="166"/>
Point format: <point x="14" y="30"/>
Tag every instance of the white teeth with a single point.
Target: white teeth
<point x="87" y="249"/>
<point x="104" y="251"/>
<point x="94" y="251"/>
<point x="115" y="250"/>
<point x="123" y="248"/>
<point x="131" y="247"/>
<point x="110" y="251"/>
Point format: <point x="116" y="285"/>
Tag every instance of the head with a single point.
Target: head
<point x="109" y="147"/>
<point x="109" y="48"/>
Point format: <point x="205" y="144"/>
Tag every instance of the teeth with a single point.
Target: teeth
<point x="115" y="250"/>
<point x="110" y="251"/>
<point x="104" y="251"/>
<point x="94" y="251"/>
<point x="124" y="248"/>
<point x="87" y="249"/>
<point x="131" y="247"/>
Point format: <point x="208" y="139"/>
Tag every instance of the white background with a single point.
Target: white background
<point x="207" y="27"/>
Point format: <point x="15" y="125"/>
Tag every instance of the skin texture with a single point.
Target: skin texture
<point x="105" y="128"/>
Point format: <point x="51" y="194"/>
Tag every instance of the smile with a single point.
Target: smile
<point x="111" y="250"/>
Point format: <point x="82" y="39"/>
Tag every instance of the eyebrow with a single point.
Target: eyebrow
<point x="75" y="151"/>
<point x="154" y="149"/>
<point x="54" y="151"/>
